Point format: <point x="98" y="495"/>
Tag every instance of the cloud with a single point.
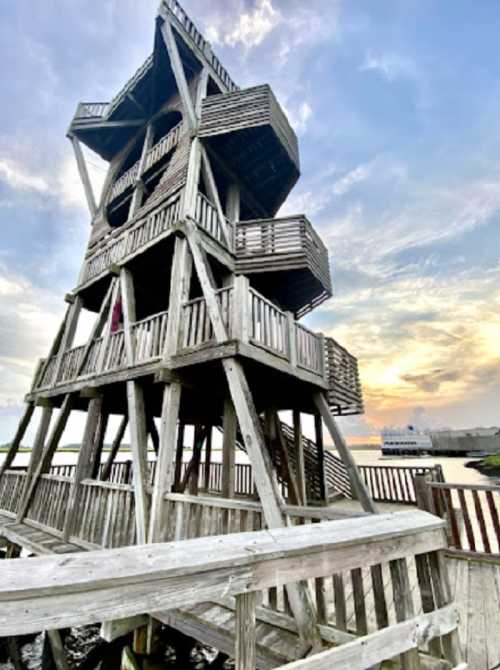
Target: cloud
<point x="18" y="177"/>
<point x="251" y="29"/>
<point x="299" y="119"/>
<point x="390" y="66"/>
<point x="356" y="176"/>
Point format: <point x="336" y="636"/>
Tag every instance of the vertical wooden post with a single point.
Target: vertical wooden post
<point x="194" y="470"/>
<point x="292" y="339"/>
<point x="299" y="457"/>
<point x="18" y="437"/>
<point x="241" y="309"/>
<point x="83" y="468"/>
<point x="179" y="293"/>
<point x="57" y="647"/>
<point x="245" y="655"/>
<point x="403" y="605"/>
<point x="228" y="449"/>
<point x="165" y="465"/>
<point x="36" y="452"/>
<point x="136" y="413"/>
<point x="320" y="447"/>
<point x="208" y="459"/>
<point x="178" y="457"/>
<point x="99" y="442"/>
<point x="341" y="446"/>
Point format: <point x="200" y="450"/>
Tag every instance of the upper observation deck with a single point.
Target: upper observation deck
<point x="251" y="134"/>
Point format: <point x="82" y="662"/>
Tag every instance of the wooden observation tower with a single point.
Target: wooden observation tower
<point x="197" y="290"/>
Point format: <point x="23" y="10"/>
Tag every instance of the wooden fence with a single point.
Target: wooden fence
<point x="161" y="578"/>
<point x="472" y="513"/>
<point x="396" y="483"/>
<point x="11" y="488"/>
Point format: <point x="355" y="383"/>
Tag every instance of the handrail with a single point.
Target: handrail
<point x="118" y="583"/>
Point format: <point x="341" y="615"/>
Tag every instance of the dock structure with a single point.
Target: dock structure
<point x="197" y="289"/>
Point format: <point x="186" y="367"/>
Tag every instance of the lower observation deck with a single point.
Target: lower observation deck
<point x="257" y="330"/>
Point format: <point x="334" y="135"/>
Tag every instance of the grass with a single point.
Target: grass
<point x="492" y="461"/>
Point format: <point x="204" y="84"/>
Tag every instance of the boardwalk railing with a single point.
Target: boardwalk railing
<point x="90" y="110"/>
<point x="396" y="483"/>
<point x="472" y="513"/>
<point x="107" y="518"/>
<point x="108" y="354"/>
<point x="268" y="325"/>
<point x="11" y="488"/>
<point x="196" y="327"/>
<point x="48" y="508"/>
<point x="97" y="586"/>
<point x="207" y="217"/>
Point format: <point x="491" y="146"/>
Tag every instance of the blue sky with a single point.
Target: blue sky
<point x="396" y="104"/>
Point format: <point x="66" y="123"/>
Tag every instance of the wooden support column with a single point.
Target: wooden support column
<point x="245" y="654"/>
<point x="84" y="463"/>
<point x="229" y="426"/>
<point x="48" y="453"/>
<point x="253" y="437"/>
<point x="165" y="465"/>
<point x="179" y="74"/>
<point x="320" y="447"/>
<point x="136" y="413"/>
<point x="403" y="605"/>
<point x="193" y="474"/>
<point x="178" y="458"/>
<point x="241" y="309"/>
<point x="180" y="281"/>
<point x="299" y="457"/>
<point x="114" y="449"/>
<point x="99" y="442"/>
<point x="58" y="652"/>
<point x="208" y="459"/>
<point x="84" y="175"/>
<point x="345" y="453"/>
<point x="18" y="437"/>
<point x="153" y="432"/>
<point x="36" y="451"/>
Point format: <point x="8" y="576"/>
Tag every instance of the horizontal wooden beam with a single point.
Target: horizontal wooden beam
<point x="383" y="645"/>
<point x="81" y="589"/>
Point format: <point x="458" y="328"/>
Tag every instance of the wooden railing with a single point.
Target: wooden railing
<point x="207" y="218"/>
<point x="49" y="504"/>
<point x="345" y="395"/>
<point x="185" y="22"/>
<point x="310" y="349"/>
<point x="387" y="569"/>
<point x="268" y="325"/>
<point x="108" y="514"/>
<point x="396" y="483"/>
<point x="90" y="110"/>
<point x="11" y="488"/>
<point x="197" y="327"/>
<point x="155" y="154"/>
<point x="125" y="242"/>
<point x="124" y="182"/>
<point x="163" y="146"/>
<point x="148" y="338"/>
<point x="472" y="512"/>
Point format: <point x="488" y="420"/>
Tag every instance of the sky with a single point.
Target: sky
<point x="396" y="106"/>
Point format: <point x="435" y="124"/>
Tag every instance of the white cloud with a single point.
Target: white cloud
<point x="353" y="177"/>
<point x="299" y="118"/>
<point x="18" y="177"/>
<point x="253" y="27"/>
<point x="391" y="66"/>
